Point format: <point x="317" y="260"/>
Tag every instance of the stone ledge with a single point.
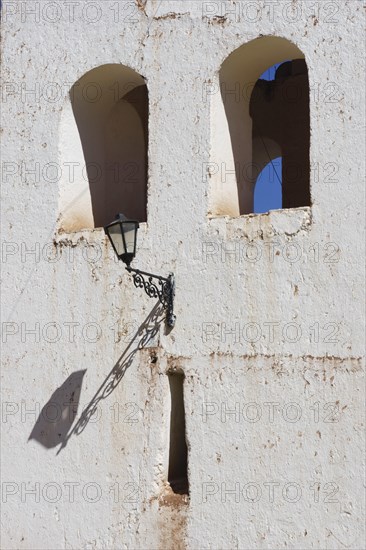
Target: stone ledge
<point x="287" y="222"/>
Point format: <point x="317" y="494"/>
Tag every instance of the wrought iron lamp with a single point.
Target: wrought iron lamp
<point x="122" y="234"/>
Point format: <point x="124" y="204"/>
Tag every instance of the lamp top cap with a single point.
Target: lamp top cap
<point x="122" y="218"/>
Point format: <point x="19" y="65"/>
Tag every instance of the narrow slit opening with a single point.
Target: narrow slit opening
<point x="178" y="453"/>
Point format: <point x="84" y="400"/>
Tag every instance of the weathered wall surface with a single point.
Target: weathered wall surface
<point x="269" y="308"/>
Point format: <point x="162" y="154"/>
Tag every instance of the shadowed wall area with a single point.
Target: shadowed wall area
<point x="281" y="123"/>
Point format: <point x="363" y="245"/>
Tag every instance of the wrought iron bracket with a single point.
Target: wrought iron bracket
<point x="164" y="290"/>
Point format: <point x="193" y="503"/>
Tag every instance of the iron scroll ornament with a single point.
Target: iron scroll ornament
<point x="163" y="289"/>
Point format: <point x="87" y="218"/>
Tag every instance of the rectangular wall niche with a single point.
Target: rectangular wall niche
<point x="178" y="460"/>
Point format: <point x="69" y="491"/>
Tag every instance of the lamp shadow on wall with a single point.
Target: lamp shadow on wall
<point x="54" y="429"/>
<point x="58" y="414"/>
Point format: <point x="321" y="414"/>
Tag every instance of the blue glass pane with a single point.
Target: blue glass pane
<point x="268" y="187"/>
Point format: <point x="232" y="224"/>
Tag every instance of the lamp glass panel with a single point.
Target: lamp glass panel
<point x="116" y="236"/>
<point x="130" y="233"/>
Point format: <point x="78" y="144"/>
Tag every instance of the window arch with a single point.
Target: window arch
<point x="104" y="137"/>
<point x="255" y="120"/>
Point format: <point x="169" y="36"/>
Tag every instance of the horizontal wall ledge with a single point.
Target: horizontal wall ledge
<point x="287" y="222"/>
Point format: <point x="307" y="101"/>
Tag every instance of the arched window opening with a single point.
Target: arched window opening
<point x="260" y="114"/>
<point x="106" y="138"/>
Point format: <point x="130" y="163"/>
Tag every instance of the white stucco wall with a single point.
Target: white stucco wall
<point x="269" y="307"/>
